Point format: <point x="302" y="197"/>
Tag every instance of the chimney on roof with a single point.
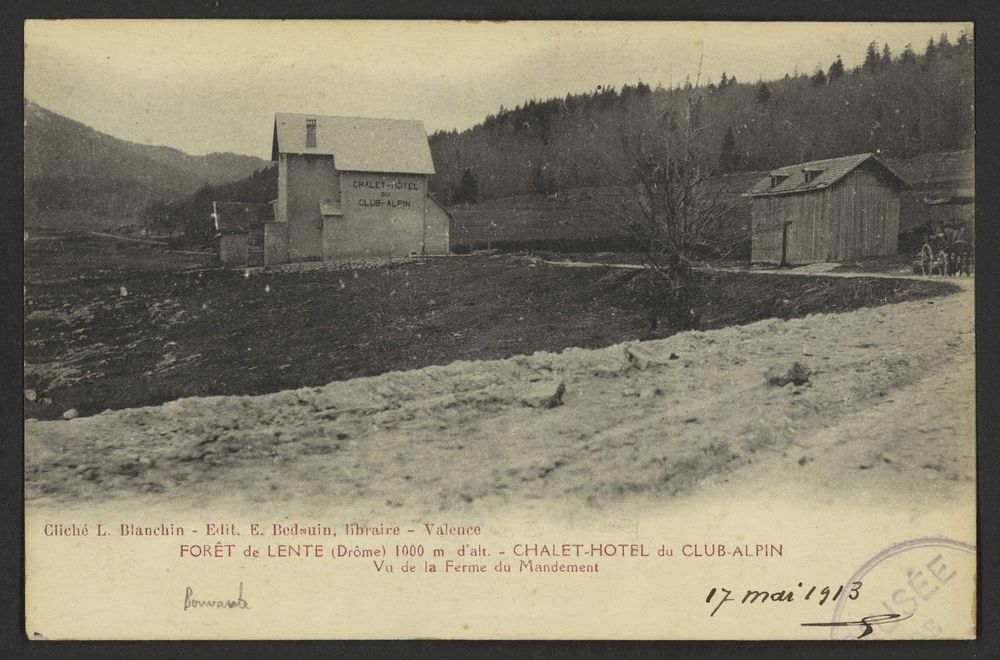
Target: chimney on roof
<point x="311" y="132"/>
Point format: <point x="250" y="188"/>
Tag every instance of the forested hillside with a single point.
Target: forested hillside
<point x="76" y="175"/>
<point x="191" y="215"/>
<point x="901" y="106"/>
<point x="897" y="104"/>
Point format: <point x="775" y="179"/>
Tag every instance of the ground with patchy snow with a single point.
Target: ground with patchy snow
<point x="886" y="414"/>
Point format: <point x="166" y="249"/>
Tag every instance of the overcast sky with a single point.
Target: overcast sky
<point x="214" y="85"/>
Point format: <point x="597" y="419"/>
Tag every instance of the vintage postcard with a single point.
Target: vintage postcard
<point x="540" y="330"/>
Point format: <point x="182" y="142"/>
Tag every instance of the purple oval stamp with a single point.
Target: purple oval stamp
<point x="924" y="588"/>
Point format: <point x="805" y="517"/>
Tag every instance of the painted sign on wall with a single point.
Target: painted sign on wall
<point x="385" y="193"/>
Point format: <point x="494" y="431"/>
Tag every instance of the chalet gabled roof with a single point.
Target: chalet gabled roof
<point x="357" y="144"/>
<point x="825" y="173"/>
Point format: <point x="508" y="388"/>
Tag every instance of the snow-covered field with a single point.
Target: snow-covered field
<point x="887" y="415"/>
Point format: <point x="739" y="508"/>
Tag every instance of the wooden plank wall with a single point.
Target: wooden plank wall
<point x="766" y="246"/>
<point x="857" y="217"/>
<point x="864" y="215"/>
<point x="807" y="233"/>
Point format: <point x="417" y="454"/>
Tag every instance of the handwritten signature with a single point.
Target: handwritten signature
<point x="866" y="622"/>
<point x="238" y="603"/>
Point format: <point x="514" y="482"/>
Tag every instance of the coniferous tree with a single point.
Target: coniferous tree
<point x="468" y="188"/>
<point x="728" y="157"/>
<point x="695" y="109"/>
<point x="836" y="70"/>
<point x="962" y="44"/>
<point x="763" y="93"/>
<point x="908" y="56"/>
<point x="871" y="62"/>
<point x="542" y="183"/>
<point x="944" y="45"/>
<point x="818" y="77"/>
<point x="886" y="55"/>
<point x="930" y="54"/>
<point x="538" y="182"/>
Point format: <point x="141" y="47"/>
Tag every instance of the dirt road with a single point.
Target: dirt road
<point x="887" y="414"/>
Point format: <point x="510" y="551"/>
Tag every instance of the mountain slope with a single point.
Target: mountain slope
<point x="75" y="174"/>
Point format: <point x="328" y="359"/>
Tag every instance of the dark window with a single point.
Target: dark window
<point x="776" y="179"/>
<point x="812" y="174"/>
<point x="310" y="132"/>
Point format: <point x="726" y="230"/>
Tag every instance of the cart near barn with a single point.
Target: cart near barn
<point x="947" y="251"/>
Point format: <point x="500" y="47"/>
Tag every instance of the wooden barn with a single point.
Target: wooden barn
<point x="825" y="211"/>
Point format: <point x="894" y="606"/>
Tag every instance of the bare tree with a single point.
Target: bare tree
<point x="673" y="207"/>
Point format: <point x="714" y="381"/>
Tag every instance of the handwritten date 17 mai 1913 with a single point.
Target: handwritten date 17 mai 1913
<point x="814" y="593"/>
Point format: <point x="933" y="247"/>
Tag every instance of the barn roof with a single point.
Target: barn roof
<point x="944" y="169"/>
<point x="239" y="217"/>
<point x="825" y="173"/>
<point x="357" y="144"/>
<point x="958" y="196"/>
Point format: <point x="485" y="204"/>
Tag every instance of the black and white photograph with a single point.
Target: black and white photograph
<point x="487" y="323"/>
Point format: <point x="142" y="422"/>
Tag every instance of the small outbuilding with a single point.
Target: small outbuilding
<point x="353" y="187"/>
<point x="239" y="229"/>
<point x="825" y="211"/>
